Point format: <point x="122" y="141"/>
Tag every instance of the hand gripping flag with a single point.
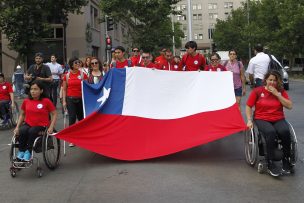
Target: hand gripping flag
<point x="139" y="113"/>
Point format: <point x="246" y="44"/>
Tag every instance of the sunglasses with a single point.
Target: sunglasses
<point x="94" y="63"/>
<point x="77" y="62"/>
<point x="214" y="60"/>
<point x="145" y="57"/>
<point x="135" y="50"/>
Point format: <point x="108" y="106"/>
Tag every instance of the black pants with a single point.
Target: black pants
<point x="54" y="91"/>
<point x="27" y="136"/>
<point x="4" y="106"/>
<point x="273" y="130"/>
<point x="74" y="106"/>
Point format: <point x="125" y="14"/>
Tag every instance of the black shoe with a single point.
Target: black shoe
<point x="286" y="166"/>
<point x="273" y="170"/>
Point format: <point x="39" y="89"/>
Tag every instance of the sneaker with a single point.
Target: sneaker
<point x="286" y="166"/>
<point x="20" y="155"/>
<point x="273" y="170"/>
<point x="27" y="155"/>
<point x="71" y="145"/>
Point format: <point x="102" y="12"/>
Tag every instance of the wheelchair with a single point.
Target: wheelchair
<point x="13" y="116"/>
<point x="47" y="144"/>
<point x="255" y="149"/>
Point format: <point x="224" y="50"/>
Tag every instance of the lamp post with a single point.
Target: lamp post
<point x="248" y="22"/>
<point x="173" y="38"/>
<point x="189" y="12"/>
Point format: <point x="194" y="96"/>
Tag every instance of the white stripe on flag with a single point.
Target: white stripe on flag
<point x="168" y="95"/>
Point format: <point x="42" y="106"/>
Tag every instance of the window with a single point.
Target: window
<point x="94" y="18"/>
<point x="95" y="51"/>
<point x="181" y="17"/>
<point x="59" y="32"/>
<point x="228" y="5"/>
<point x="212" y="6"/>
<point x="210" y="33"/>
<point x="194" y="6"/>
<point x="226" y="15"/>
<point x="185" y="37"/>
<point x="194" y="16"/>
<point x="199" y="6"/>
<point x="183" y="7"/>
<point x="200" y="36"/>
<point x="199" y="17"/>
<point x="213" y="16"/>
<point x="195" y="36"/>
<point x="55" y="33"/>
<point x="178" y="7"/>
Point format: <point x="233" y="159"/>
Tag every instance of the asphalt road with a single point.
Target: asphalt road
<point x="215" y="172"/>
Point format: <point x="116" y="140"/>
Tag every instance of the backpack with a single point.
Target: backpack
<point x="129" y="63"/>
<point x="274" y="65"/>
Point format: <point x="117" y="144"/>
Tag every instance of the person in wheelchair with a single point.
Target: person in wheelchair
<point x="6" y="99"/>
<point x="34" y="119"/>
<point x="269" y="118"/>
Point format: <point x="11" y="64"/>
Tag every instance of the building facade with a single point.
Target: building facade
<point x="85" y="36"/>
<point x="204" y="14"/>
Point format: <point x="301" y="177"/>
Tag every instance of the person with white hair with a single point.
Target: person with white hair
<point x="18" y="81"/>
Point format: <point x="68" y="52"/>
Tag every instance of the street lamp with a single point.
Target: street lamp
<point x="248" y="22"/>
<point x="189" y="11"/>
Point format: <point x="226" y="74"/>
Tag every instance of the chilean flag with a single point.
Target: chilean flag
<point x="141" y="113"/>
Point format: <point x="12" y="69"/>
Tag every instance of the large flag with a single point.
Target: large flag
<point x="140" y="113"/>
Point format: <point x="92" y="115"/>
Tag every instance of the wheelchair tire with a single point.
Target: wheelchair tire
<point x="14" y="115"/>
<point x="251" y="147"/>
<point x="51" y="151"/>
<point x="294" y="145"/>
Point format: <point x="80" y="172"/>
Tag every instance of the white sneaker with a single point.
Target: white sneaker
<point x="71" y="145"/>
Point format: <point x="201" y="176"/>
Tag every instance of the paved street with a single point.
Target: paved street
<point x="216" y="172"/>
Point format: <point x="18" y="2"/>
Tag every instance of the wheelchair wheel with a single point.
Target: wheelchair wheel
<point x="294" y="145"/>
<point x="14" y="114"/>
<point x="251" y="146"/>
<point x="51" y="151"/>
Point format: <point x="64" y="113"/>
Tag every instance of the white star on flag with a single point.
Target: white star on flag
<point x="105" y="96"/>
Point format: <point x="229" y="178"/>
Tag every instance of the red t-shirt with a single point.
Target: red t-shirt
<point x="267" y="106"/>
<point x="192" y="63"/>
<point x="37" y="111"/>
<point x="160" y="60"/>
<point x="170" y="66"/>
<point x="5" y="90"/>
<point x="150" y="65"/>
<point x="217" y="68"/>
<point x="135" y="60"/>
<point x="123" y="64"/>
<point x="74" y="84"/>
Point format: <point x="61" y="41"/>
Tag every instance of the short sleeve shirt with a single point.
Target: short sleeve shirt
<point x="74" y="84"/>
<point x="217" y="68"/>
<point x="5" y="90"/>
<point x="37" y="111"/>
<point x="193" y="63"/>
<point x="267" y="106"/>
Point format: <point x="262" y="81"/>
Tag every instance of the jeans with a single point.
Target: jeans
<point x="4" y="106"/>
<point x="19" y="88"/>
<point x="74" y="106"/>
<point x="273" y="130"/>
<point x="54" y="91"/>
<point x="27" y="136"/>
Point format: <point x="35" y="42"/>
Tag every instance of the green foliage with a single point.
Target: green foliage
<point x="149" y="19"/>
<point x="25" y="22"/>
<point x="278" y="24"/>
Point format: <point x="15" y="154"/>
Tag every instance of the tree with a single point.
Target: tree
<point x="25" y="22"/>
<point x="149" y="20"/>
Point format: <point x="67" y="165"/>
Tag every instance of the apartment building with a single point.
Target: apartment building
<point x="204" y="14"/>
<point x="85" y="36"/>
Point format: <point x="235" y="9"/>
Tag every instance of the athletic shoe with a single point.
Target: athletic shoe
<point x="286" y="166"/>
<point x="71" y="145"/>
<point x="273" y="170"/>
<point x="20" y="155"/>
<point x="27" y="155"/>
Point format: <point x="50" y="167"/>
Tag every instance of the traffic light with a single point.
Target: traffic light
<point x="110" y="23"/>
<point x="108" y="43"/>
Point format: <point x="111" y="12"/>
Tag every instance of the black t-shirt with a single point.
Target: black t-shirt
<point x="43" y="72"/>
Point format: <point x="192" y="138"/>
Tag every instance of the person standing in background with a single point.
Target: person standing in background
<point x="18" y="81"/>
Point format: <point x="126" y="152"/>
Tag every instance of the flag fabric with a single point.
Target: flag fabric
<point x="140" y="113"/>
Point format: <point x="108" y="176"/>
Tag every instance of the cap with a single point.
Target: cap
<point x="18" y="67"/>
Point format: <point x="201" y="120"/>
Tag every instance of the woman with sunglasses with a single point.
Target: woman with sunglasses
<point x="237" y="68"/>
<point x="215" y="63"/>
<point x="96" y="71"/>
<point x="72" y="91"/>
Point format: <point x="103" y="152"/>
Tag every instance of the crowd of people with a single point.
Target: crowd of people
<point x="43" y="80"/>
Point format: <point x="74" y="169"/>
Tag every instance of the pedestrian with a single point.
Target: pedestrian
<point x="175" y="63"/>
<point x="120" y="60"/>
<point x="258" y="66"/>
<point x="6" y="99"/>
<point x="18" y="81"/>
<point x="34" y="118"/>
<point x="39" y="71"/>
<point x="146" y="61"/>
<point x="86" y="67"/>
<point x="96" y="71"/>
<point x="169" y="63"/>
<point x="215" y="63"/>
<point x="136" y="58"/>
<point x="160" y="60"/>
<point x="56" y="70"/>
<point x="239" y="80"/>
<point x="72" y="91"/>
<point x="192" y="60"/>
